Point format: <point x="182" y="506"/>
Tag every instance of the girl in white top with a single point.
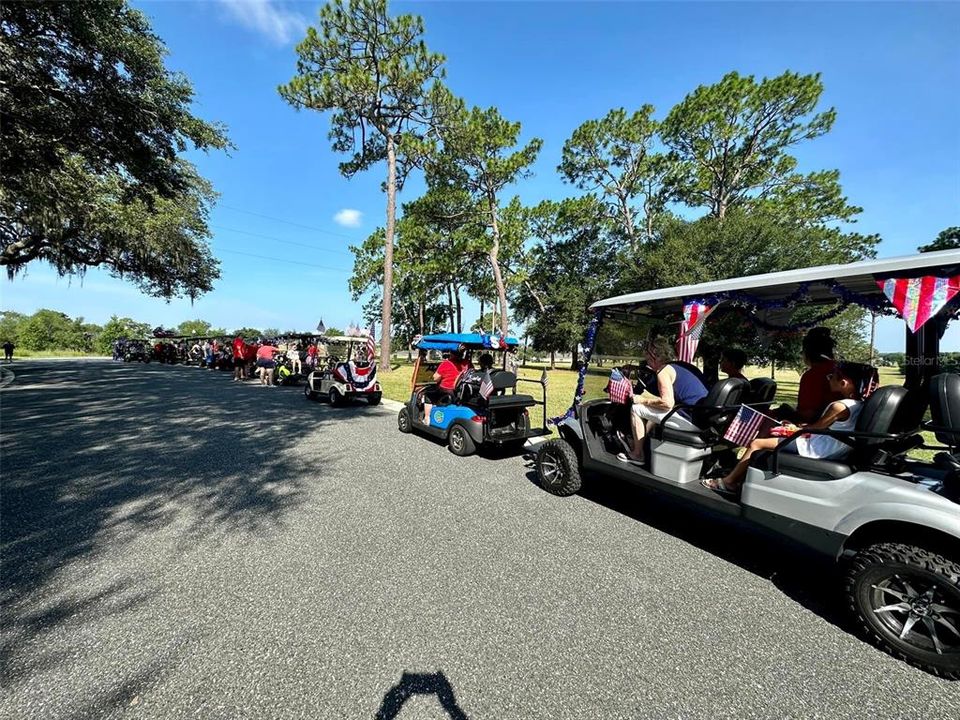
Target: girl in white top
<point x="852" y="383"/>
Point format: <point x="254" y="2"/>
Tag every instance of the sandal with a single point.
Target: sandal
<point x="623" y="457"/>
<point x="717" y="485"/>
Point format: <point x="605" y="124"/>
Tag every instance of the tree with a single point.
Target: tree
<point x="48" y="330"/>
<point x="567" y="271"/>
<point x="373" y="72"/>
<point x="271" y="333"/>
<point x="246" y="332"/>
<point x="948" y="239"/>
<point x="194" y="327"/>
<point x="10" y="325"/>
<point x="614" y="157"/>
<point x="477" y="158"/>
<point x="91" y="131"/>
<point x="732" y="140"/>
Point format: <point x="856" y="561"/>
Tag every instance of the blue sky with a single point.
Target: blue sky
<point x="891" y="71"/>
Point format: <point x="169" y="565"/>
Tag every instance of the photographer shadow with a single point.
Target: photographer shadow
<point x="420" y="684"/>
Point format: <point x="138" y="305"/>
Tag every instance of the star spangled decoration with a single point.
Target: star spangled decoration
<point x="321" y="328"/>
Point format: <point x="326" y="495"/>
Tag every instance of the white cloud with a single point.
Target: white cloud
<point x="348" y="218"/>
<point x="278" y="23"/>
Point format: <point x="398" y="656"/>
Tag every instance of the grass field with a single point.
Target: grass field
<point x="561" y="385"/>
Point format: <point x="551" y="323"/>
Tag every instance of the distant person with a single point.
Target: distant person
<point x="208" y="353"/>
<point x="312" y="355"/>
<point x="8" y="351"/>
<point x="266" y="363"/>
<point x="732" y="361"/>
<point x="239" y="359"/>
<point x="293" y="352"/>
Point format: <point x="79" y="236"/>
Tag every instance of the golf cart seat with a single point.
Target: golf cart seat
<point x="945" y="419"/>
<point x="878" y="417"/>
<point x="503" y="381"/>
<point x="711" y="414"/>
<point x="760" y="393"/>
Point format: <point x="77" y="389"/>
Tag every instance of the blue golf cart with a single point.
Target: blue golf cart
<point x="465" y="418"/>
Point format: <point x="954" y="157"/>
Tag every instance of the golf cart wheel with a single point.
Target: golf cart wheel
<point x="557" y="468"/>
<point x="308" y="393"/>
<point x="460" y="441"/>
<point x="374" y="398"/>
<point x="336" y="397"/>
<point x="906" y="600"/>
<point x="403" y="420"/>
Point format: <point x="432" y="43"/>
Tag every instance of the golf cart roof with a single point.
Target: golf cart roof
<point x="464" y="341"/>
<point x="859" y="277"/>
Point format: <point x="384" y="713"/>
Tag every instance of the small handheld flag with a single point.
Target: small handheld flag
<point x="620" y="388"/>
<point x="486" y="385"/>
<point x="543" y="378"/>
<point x="321" y="328"/>
<point x="747" y="425"/>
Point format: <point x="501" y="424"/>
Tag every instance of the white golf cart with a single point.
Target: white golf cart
<point x="348" y="374"/>
<point x="891" y="522"/>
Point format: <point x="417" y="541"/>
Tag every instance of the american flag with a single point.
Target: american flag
<point x="486" y="385"/>
<point x="694" y="318"/>
<point x="746" y="426"/>
<point x="543" y="378"/>
<point x="619" y="388"/>
<point x="372" y="343"/>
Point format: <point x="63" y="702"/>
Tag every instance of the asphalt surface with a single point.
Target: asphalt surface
<point x="177" y="545"/>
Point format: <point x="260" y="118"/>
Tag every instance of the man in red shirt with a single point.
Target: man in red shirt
<point x="450" y="369"/>
<point x="239" y="359"/>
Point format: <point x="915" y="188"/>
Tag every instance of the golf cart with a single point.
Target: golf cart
<point x="465" y="418"/>
<point x="891" y="523"/>
<point x="342" y="380"/>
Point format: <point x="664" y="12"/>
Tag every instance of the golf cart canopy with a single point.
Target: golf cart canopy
<point x="818" y="285"/>
<point x="464" y="341"/>
<point x="345" y="339"/>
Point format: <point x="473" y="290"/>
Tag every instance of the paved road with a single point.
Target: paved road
<point x="176" y="545"/>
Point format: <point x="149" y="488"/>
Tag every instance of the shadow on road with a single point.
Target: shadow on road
<point x="420" y="684"/>
<point x="96" y="454"/>
<point x="807" y="580"/>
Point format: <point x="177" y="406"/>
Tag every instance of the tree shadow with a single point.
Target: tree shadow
<point x="805" y="578"/>
<point x="420" y="684"/>
<point x="97" y="454"/>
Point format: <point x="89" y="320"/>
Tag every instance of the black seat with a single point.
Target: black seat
<point x="878" y="418"/>
<point x="760" y="393"/>
<point x="711" y="414"/>
<point x="945" y="424"/>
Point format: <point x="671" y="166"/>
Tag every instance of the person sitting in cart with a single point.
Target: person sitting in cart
<point x="852" y="383"/>
<point x="732" y="361"/>
<point x="676" y="385"/>
<point x="814" y="394"/>
<point x="449" y="370"/>
<point x="486" y="363"/>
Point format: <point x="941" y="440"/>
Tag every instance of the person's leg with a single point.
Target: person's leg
<point x="734" y="480"/>
<point x="639" y="428"/>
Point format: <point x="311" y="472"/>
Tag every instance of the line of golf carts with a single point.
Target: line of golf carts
<point x="890" y="522"/>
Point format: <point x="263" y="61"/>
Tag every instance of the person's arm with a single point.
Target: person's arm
<point x="836" y="411"/>
<point x="665" y="380"/>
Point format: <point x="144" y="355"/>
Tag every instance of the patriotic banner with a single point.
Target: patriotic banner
<point x="486" y="385"/>
<point x="747" y="425"/>
<point x="694" y="318"/>
<point x="919" y="299"/>
<point x="620" y="388"/>
<point x="321" y="328"/>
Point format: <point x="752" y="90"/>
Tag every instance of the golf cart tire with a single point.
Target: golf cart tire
<point x="890" y="562"/>
<point x="460" y="442"/>
<point x="335" y="397"/>
<point x="558" y="470"/>
<point x="308" y="393"/>
<point x="404" y="424"/>
<point x="374" y="398"/>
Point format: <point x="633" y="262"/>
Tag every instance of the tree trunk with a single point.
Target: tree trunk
<point x="773" y="369"/>
<point x="386" y="319"/>
<point x="459" y="310"/>
<point x="421" y="318"/>
<point x="574" y="358"/>
<point x="483" y="322"/>
<point x="526" y="343"/>
<point x="494" y="251"/>
<point x="553" y="359"/>
<point x="450" y="313"/>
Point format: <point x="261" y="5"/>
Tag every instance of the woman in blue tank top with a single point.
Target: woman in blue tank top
<point x="676" y="385"/>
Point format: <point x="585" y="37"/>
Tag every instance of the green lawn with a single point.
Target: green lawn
<point x="562" y="383"/>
